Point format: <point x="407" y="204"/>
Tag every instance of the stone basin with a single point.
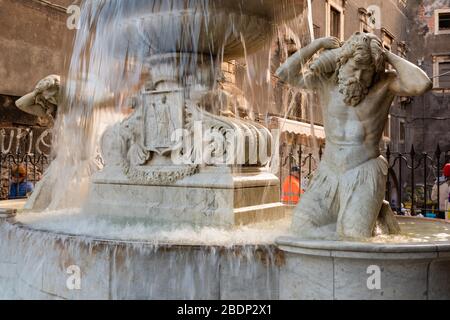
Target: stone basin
<point x="391" y="268"/>
<point x="35" y="257"/>
<point x="209" y="27"/>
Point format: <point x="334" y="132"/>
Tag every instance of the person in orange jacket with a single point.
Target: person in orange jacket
<point x="291" y="188"/>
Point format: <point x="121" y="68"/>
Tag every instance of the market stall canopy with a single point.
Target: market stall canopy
<point x="300" y="128"/>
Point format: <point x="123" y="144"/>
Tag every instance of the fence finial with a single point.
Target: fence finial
<point x="438" y="152"/>
<point x="412" y="153"/>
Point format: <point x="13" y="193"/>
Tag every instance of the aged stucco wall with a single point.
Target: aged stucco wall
<point x="33" y="42"/>
<point x="428" y="117"/>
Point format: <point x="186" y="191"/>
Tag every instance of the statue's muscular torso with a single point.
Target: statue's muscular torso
<point x="353" y="133"/>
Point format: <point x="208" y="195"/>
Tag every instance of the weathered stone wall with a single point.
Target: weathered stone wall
<point x="34" y="41"/>
<point x="428" y="117"/>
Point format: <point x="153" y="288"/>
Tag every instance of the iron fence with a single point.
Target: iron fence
<point x="410" y="179"/>
<point x="33" y="164"/>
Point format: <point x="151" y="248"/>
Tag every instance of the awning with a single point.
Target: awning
<point x="300" y="128"/>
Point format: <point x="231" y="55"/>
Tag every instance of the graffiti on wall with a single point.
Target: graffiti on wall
<point x="27" y="140"/>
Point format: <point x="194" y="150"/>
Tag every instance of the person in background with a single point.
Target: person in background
<point x="291" y="189"/>
<point x="19" y="188"/>
<point x="444" y="191"/>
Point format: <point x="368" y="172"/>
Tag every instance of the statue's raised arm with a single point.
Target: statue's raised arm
<point x="407" y="79"/>
<point x="43" y="100"/>
<point x="292" y="71"/>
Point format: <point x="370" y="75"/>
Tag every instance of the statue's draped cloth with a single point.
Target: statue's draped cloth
<point x="331" y="196"/>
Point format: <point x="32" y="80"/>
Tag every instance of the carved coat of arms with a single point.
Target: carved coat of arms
<point x="162" y="116"/>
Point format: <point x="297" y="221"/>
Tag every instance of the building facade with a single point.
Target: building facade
<point x="425" y="120"/>
<point x="388" y="19"/>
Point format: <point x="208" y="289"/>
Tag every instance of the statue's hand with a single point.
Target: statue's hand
<point x="329" y="43"/>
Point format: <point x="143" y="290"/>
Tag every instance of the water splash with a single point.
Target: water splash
<point x="111" y="64"/>
<point x="34" y="265"/>
<point x="74" y="222"/>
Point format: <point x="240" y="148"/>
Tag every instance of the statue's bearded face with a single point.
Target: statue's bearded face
<point x="354" y="81"/>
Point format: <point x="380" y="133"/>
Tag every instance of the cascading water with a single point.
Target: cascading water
<point x="122" y="48"/>
<point x="124" y="53"/>
<point x="109" y="66"/>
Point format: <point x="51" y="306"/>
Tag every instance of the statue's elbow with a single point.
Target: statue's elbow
<point x="426" y="86"/>
<point x="429" y="85"/>
<point x="24" y="102"/>
<point x="421" y="87"/>
<point x="18" y="104"/>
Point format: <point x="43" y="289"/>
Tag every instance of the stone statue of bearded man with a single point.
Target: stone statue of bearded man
<point x="345" y="199"/>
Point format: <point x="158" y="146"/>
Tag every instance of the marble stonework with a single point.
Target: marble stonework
<point x="339" y="270"/>
<point x="345" y="197"/>
<point x="33" y="265"/>
<point x="213" y="196"/>
<point x="147" y="175"/>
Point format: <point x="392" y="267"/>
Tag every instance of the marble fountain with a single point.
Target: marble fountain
<point x="155" y="220"/>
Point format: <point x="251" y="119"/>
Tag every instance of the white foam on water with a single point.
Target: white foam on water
<point x="417" y="231"/>
<point x="75" y="223"/>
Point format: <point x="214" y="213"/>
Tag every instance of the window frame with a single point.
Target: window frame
<point x="400" y="123"/>
<point x="437" y="60"/>
<point x="437" y="12"/>
<point x="442" y="73"/>
<point x="387" y="35"/>
<point x="363" y="21"/>
<point x="339" y="7"/>
<point x="388" y="40"/>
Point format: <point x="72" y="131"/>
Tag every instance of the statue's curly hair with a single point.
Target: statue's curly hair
<point x="365" y="48"/>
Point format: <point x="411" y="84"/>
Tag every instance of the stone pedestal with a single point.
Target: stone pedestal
<point x="173" y="161"/>
<point x="215" y="196"/>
